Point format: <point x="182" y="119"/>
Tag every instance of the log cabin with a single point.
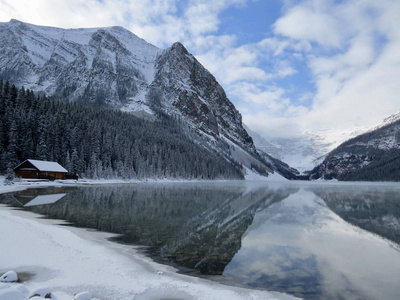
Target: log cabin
<point x="39" y="169"/>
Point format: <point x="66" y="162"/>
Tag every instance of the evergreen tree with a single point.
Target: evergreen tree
<point x="10" y="176"/>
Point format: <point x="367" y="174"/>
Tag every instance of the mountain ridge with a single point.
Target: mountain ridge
<point x="54" y="60"/>
<point x="371" y="156"/>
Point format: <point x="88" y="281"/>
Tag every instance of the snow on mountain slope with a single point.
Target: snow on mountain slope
<point x="373" y="155"/>
<point x="109" y="66"/>
<point x="387" y="121"/>
<point x="302" y="152"/>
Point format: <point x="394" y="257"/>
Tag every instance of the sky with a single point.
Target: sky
<point x="290" y="67"/>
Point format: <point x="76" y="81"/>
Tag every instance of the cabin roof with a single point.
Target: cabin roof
<point x="48" y="166"/>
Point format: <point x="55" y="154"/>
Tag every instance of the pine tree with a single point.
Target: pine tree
<point x="10" y="176"/>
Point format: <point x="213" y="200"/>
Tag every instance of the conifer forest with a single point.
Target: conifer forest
<point x="101" y="143"/>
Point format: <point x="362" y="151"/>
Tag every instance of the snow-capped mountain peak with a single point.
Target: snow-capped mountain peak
<point x="97" y="65"/>
<point x="387" y="121"/>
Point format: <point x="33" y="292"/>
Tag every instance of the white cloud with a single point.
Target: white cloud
<point x="284" y="69"/>
<point x="275" y="45"/>
<point x="360" y="54"/>
<point x="72" y="13"/>
<point x="277" y="126"/>
<point x="232" y="65"/>
<point x="157" y="21"/>
<point x="358" y="86"/>
<point x="270" y="98"/>
<point x="311" y="22"/>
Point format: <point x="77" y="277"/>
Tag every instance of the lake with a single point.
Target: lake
<point x="316" y="241"/>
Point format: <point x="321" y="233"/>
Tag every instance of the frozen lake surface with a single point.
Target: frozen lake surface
<point x="316" y="241"/>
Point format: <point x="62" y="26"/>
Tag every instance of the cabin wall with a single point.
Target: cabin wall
<point x="58" y="175"/>
<point x="40" y="175"/>
<point x="26" y="173"/>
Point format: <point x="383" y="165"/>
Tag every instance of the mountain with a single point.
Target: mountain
<point x="108" y="66"/>
<point x="112" y="67"/>
<point x="302" y="152"/>
<point x="305" y="151"/>
<point x="372" y="156"/>
<point x="387" y="121"/>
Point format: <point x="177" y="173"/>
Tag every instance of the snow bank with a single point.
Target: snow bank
<point x="72" y="260"/>
<point x="13" y="292"/>
<point x="272" y="177"/>
<point x="10" y="276"/>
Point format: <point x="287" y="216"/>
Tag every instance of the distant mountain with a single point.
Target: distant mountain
<point x="302" y="152"/>
<point x="372" y="156"/>
<point x="272" y="154"/>
<point x="262" y="144"/>
<point x="387" y="121"/>
<point x="112" y="67"/>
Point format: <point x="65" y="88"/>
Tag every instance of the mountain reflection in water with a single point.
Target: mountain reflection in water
<point x="290" y="238"/>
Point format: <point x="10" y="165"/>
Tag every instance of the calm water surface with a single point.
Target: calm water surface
<point x="313" y="241"/>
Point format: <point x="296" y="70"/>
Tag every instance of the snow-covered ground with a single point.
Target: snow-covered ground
<point x="68" y="261"/>
<point x="254" y="176"/>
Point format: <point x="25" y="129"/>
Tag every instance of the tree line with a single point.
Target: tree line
<point x="99" y="142"/>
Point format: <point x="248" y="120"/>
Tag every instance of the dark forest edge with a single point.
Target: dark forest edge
<point x="101" y="143"/>
<point x="104" y="143"/>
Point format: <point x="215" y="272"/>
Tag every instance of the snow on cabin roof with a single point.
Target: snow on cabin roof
<point x="48" y="166"/>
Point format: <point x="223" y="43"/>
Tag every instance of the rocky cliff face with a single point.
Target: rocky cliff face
<point x="183" y="85"/>
<point x="113" y="67"/>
